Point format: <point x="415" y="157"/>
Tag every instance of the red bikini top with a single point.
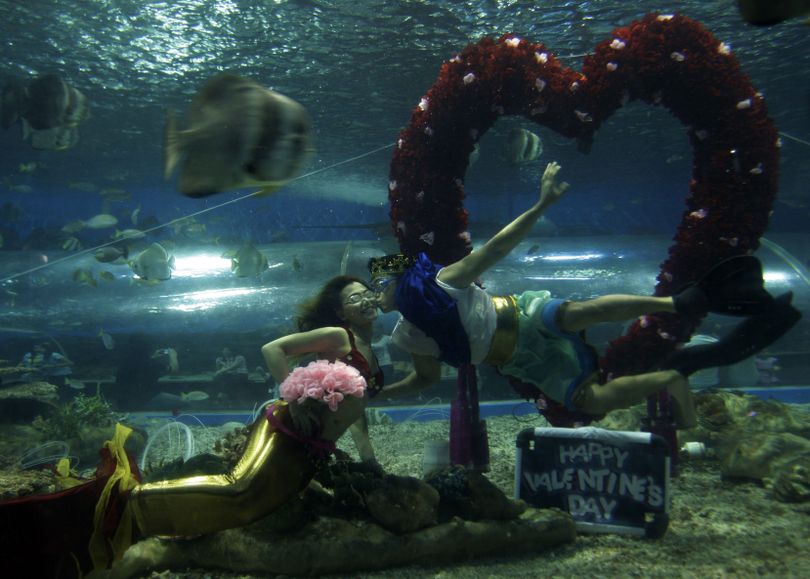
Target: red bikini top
<point x="355" y="358"/>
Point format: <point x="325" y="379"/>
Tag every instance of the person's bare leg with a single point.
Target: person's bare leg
<point x="627" y="391"/>
<point x="683" y="407"/>
<point x="578" y="316"/>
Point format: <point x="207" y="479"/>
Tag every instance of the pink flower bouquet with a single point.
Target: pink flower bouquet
<point x="322" y="380"/>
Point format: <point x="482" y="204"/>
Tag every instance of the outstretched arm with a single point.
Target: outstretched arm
<point x="426" y="372"/>
<point x="465" y="271"/>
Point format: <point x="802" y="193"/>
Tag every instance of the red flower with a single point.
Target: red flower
<point x="669" y="61"/>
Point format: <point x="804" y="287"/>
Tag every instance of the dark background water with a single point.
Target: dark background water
<point x="360" y="68"/>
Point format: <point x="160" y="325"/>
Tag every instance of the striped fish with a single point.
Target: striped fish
<point x="240" y="134"/>
<point x="523" y="146"/>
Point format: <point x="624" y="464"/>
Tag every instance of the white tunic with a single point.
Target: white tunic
<point x="477" y="315"/>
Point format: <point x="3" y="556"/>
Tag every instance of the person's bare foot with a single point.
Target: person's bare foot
<point x="683" y="403"/>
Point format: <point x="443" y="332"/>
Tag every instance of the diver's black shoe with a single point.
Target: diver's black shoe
<point x="733" y="287"/>
<point x="749" y="337"/>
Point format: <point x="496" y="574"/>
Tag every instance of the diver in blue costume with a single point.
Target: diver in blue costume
<point x="537" y="340"/>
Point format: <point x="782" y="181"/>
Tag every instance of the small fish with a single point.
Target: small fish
<point x="129" y="234"/>
<point x="674" y="159"/>
<point x="28" y="167"/>
<point x="533" y="249"/>
<point x="84" y="276"/>
<point x="71" y="244"/>
<point x="73" y="226"/>
<point x="75" y="384"/>
<point x="296" y="264"/>
<point x="248" y="262"/>
<point x="101" y="221"/>
<point x="20" y="188"/>
<point x="84" y="186"/>
<point x="523" y="146"/>
<point x="194" y="396"/>
<point x="240" y="134"/>
<point x="191" y="230"/>
<point x="111" y="253"/>
<point x="153" y="263"/>
<point x="133" y="217"/>
<point x="106" y="276"/>
<point x="106" y="339"/>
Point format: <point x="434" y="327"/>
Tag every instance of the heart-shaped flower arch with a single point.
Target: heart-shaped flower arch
<point x="672" y="61"/>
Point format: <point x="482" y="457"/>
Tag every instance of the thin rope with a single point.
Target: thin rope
<point x="797" y="139"/>
<point x="189" y="216"/>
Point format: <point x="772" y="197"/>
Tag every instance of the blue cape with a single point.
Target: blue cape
<point x="428" y="307"/>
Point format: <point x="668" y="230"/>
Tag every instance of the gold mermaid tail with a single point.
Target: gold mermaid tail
<point x="273" y="468"/>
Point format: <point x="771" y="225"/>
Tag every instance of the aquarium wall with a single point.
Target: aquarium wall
<point x="205" y="306"/>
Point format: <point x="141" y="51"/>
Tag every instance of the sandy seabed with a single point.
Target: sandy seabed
<point x="717" y="528"/>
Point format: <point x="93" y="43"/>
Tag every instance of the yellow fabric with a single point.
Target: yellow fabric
<point x="64" y="478"/>
<point x="100" y="547"/>
<point x="505" y="338"/>
<point x="274" y="467"/>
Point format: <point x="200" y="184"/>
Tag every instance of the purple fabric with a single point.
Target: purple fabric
<point x="469" y="445"/>
<point x="318" y="447"/>
<point x="427" y="306"/>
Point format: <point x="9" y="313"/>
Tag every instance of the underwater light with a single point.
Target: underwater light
<point x="572" y="257"/>
<point x="774" y="276"/>
<point x="563" y="257"/>
<point x="200" y="265"/>
<point x="207" y="299"/>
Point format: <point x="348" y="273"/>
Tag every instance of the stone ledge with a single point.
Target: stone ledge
<point x="331" y="545"/>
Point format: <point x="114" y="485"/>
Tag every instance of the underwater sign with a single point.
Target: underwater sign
<point x="608" y="481"/>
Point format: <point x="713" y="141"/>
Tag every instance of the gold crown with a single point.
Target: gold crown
<point x="394" y="264"/>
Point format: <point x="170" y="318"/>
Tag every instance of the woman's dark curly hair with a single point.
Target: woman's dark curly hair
<point x="322" y="310"/>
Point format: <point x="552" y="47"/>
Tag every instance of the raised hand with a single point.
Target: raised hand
<point x="550" y="190"/>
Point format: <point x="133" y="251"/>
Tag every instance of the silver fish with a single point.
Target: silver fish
<point x="523" y="146"/>
<point x="248" y="262"/>
<point x="111" y="253"/>
<point x="240" y="134"/>
<point x="101" y="221"/>
<point x="129" y="234"/>
<point x="153" y="263"/>
<point x="194" y="396"/>
<point x="107" y="340"/>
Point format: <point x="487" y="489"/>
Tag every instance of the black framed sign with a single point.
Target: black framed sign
<point x="609" y="481"/>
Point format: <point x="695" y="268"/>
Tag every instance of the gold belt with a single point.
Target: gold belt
<point x="504" y="340"/>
